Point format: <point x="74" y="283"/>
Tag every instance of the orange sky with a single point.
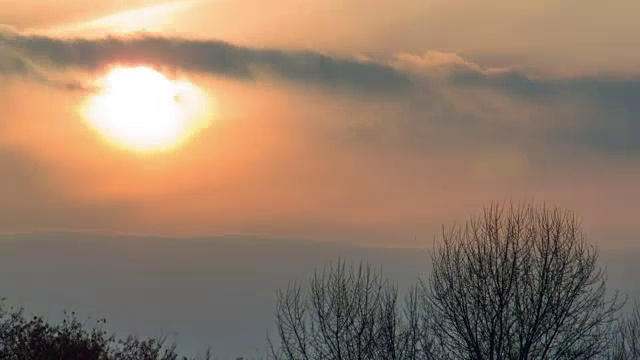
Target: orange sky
<point x="506" y="101"/>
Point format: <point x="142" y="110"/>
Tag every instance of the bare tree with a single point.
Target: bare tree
<point x="349" y="312"/>
<point x="627" y="345"/>
<point x="519" y="282"/>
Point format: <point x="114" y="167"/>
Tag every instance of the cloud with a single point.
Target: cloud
<point x="433" y="60"/>
<point x="210" y="57"/>
<point x="8" y="31"/>
<point x="12" y="64"/>
<point x="608" y="91"/>
<point x="611" y="116"/>
<point x="438" y="88"/>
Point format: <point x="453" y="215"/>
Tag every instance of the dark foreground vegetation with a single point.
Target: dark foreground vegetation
<point x="23" y="338"/>
<point x="515" y="283"/>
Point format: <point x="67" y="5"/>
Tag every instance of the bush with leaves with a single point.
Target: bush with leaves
<point x="23" y="338"/>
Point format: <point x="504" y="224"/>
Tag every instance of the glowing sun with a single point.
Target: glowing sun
<point x="141" y="109"/>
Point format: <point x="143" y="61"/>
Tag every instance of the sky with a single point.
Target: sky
<point x="326" y="120"/>
<point x="353" y="123"/>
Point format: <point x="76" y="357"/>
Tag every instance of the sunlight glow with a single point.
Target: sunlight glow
<point x="142" y="110"/>
<point x="153" y="18"/>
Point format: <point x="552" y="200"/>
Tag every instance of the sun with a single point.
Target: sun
<point x="140" y="109"/>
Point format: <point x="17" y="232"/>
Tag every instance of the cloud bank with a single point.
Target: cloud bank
<point x="611" y="116"/>
<point x="205" y="56"/>
<point x="609" y="106"/>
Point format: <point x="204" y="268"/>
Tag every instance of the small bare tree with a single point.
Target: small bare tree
<point x="627" y="346"/>
<point x="349" y="312"/>
<point x="519" y="282"/>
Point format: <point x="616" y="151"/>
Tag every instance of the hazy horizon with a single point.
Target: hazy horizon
<point x="217" y="292"/>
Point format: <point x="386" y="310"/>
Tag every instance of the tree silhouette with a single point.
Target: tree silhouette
<point x="349" y="312"/>
<point x="35" y="339"/>
<point x="627" y="345"/>
<point x="519" y="282"/>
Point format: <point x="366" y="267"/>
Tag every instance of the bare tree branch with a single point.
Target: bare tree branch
<point x="519" y="282"/>
<point x="347" y="312"/>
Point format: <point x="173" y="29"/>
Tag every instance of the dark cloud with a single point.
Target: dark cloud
<point x="611" y="91"/>
<point x="12" y="64"/>
<point x="513" y="82"/>
<point x="611" y="119"/>
<point x="211" y="57"/>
